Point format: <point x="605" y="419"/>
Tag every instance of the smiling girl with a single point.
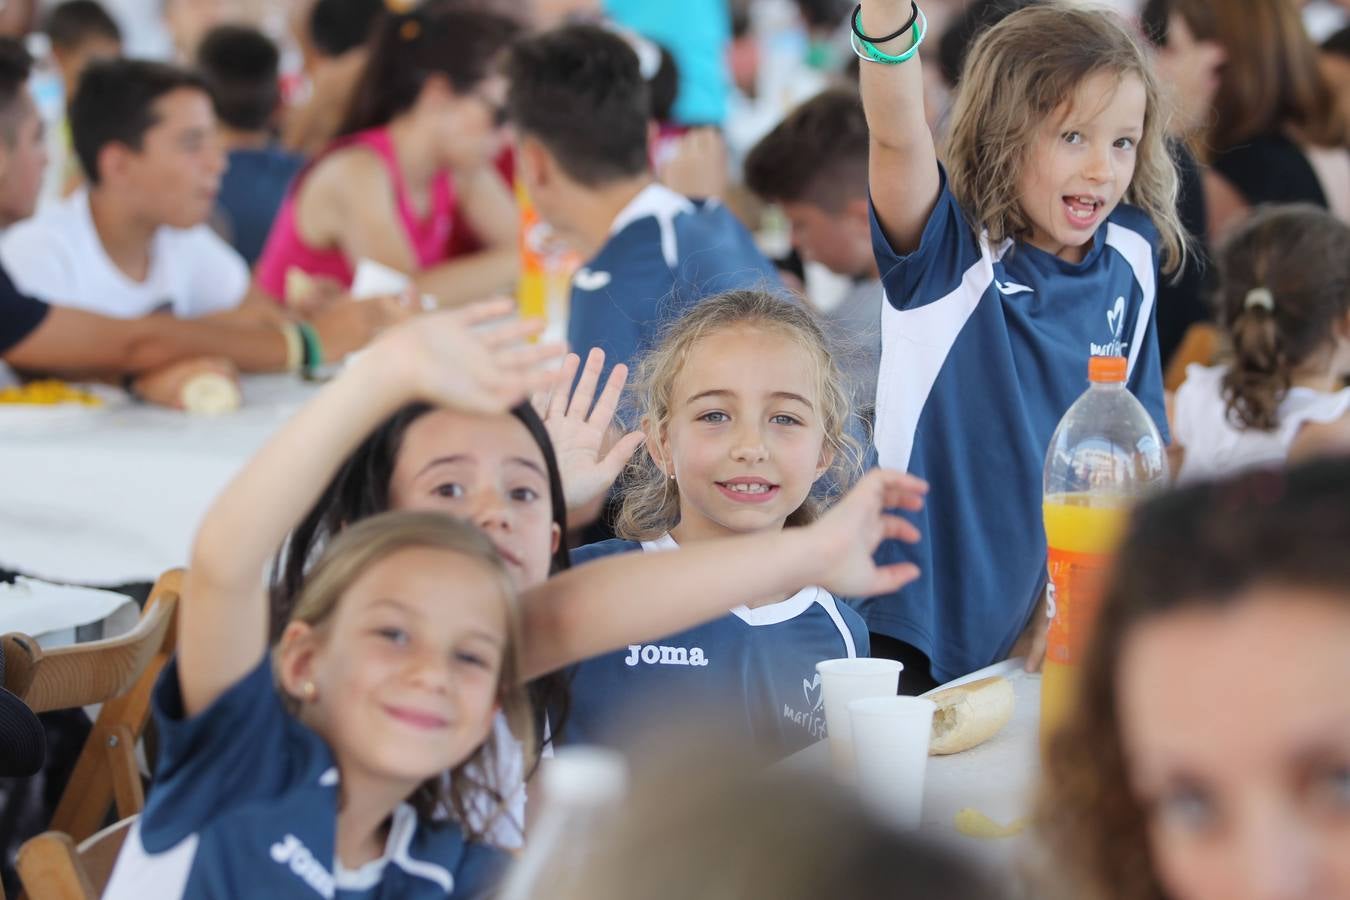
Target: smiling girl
<point x="356" y="757"/>
<point x="1035" y="246"/>
<point x="744" y="412"/>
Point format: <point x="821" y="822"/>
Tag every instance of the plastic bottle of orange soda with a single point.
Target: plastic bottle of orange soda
<point x="1105" y="454"/>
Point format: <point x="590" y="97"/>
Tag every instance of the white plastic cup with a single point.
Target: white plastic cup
<point x="845" y="680"/>
<point x="890" y="746"/>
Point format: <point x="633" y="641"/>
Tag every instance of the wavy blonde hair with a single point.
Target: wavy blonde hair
<point x="471" y="795"/>
<point x="1025" y="69"/>
<point x="651" y="504"/>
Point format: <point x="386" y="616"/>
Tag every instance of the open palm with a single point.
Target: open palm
<point x="580" y="433"/>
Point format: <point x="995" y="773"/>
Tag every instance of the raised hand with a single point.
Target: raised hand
<point x="473" y="358"/>
<point x="579" y="432"/>
<point x="846" y="536"/>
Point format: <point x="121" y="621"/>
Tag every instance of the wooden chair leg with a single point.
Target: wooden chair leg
<point x="128" y="792"/>
<point x="50" y="870"/>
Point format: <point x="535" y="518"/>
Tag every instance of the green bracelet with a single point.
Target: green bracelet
<point x="313" y="355"/>
<point x="867" y="51"/>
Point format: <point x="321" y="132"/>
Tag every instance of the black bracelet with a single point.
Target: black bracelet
<point x="904" y="29"/>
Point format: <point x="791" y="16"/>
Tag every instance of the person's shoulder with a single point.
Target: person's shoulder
<point x="54" y="225"/>
<point x="348" y="171"/>
<point x="601" y="549"/>
<point x="1132" y="218"/>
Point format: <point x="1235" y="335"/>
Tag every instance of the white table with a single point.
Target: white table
<point x="997" y="778"/>
<point x="116" y="495"/>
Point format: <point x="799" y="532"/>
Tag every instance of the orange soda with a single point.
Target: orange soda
<point x="1105" y="454"/>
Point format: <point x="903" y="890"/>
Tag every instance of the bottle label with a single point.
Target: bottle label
<point x="1077" y="581"/>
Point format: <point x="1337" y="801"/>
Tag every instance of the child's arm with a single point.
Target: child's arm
<point x="902" y="164"/>
<point x="222" y="631"/>
<point x="636" y="597"/>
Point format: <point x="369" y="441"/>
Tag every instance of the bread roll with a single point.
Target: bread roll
<point x="210" y="394"/>
<point x="970" y="714"/>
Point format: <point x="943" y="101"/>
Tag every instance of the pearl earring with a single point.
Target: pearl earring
<point x="310" y="691"/>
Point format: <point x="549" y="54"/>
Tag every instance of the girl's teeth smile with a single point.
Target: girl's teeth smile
<point x="1082" y="208"/>
<point x="749" y="488"/>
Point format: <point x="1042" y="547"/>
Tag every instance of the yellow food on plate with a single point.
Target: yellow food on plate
<point x="970" y="714"/>
<point x="973" y="823"/>
<point x="48" y="392"/>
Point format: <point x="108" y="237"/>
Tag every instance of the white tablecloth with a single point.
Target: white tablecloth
<point x="997" y="778"/>
<point x="117" y="494"/>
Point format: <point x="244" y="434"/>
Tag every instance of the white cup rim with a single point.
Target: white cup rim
<point x="860" y="666"/>
<point x="891" y="706"/>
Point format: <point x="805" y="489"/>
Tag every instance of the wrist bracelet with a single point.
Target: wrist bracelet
<point x="295" y="345"/>
<point x="313" y="349"/>
<point x="867" y="52"/>
<point x="855" y="21"/>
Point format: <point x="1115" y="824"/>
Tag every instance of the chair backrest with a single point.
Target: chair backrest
<point x="53" y="867"/>
<point x="120" y="673"/>
<point x="92" y="672"/>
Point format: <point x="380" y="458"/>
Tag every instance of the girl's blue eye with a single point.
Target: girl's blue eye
<point x="449" y="489"/>
<point x="1073" y="137"/>
<point x="784" y="419"/>
<point x="394" y="635"/>
<point x="472" y="659"/>
<point x="1125" y="144"/>
<point x="1332" y="787"/>
<point x="713" y="417"/>
<point x="1187" y="808"/>
<point x="524" y="494"/>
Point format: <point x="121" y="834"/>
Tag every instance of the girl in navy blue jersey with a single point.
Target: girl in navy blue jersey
<point x="1030" y="243"/>
<point x="401" y="646"/>
<point x="745" y="413"/>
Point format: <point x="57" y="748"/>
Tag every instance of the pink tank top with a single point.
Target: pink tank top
<point x="429" y="235"/>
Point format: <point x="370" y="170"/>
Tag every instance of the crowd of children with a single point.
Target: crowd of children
<point x="390" y="615"/>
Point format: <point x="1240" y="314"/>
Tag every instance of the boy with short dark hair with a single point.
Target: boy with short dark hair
<point x="241" y="66"/>
<point x="581" y="111"/>
<point x="135" y="240"/>
<point x="161" y="351"/>
<point x="814" y="166"/>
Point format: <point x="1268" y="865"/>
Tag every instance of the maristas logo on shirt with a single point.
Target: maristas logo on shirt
<point x="1115" y="320"/>
<point x="811" y="718"/>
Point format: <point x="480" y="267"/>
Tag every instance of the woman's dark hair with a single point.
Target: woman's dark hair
<point x="442" y="39"/>
<point x="1284" y="283"/>
<point x="336" y="26"/>
<point x="360" y="489"/>
<point x="1198" y="548"/>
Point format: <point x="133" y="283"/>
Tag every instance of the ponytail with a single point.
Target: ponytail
<point x="1259" y="376"/>
<point x="1284" y="284"/>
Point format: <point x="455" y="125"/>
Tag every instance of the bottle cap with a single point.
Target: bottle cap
<point x="1106" y="369"/>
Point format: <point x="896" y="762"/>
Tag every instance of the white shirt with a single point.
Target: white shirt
<point x="57" y="256"/>
<point x="1216" y="446"/>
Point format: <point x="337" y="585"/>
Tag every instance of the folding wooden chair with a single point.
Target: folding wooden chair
<point x="118" y="672"/>
<point x="52" y="867"/>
